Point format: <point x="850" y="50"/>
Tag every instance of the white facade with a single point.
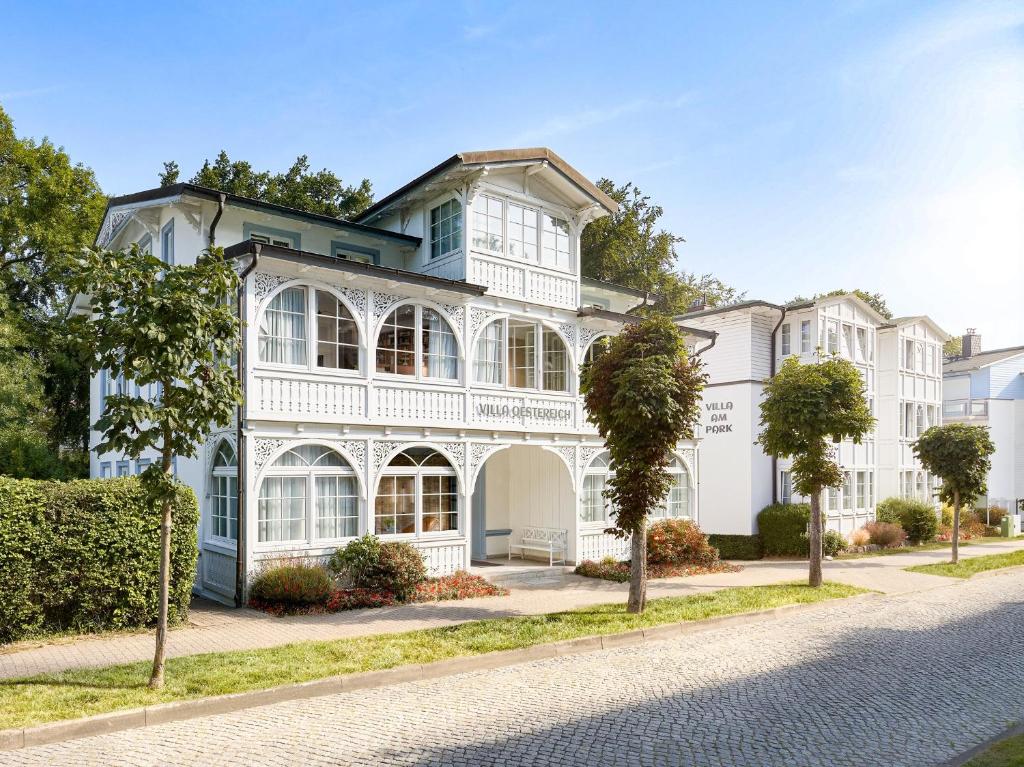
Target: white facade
<point x="737" y="478"/>
<point x="413" y="376"/>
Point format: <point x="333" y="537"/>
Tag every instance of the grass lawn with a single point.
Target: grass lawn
<point x="927" y="547"/>
<point x="72" y="694"/>
<point x="1005" y="753"/>
<point x="965" y="568"/>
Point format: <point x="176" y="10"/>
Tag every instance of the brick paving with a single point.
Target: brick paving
<point x="903" y="680"/>
<point x="215" y="628"/>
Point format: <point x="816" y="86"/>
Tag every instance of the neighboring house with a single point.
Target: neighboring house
<point x="412" y="374"/>
<point x="987" y="387"/>
<point x="753" y="338"/>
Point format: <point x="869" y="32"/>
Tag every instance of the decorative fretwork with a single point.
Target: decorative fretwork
<point x="456" y="314"/>
<point x="587" y="455"/>
<point x="263" y="449"/>
<point x="586" y="335"/>
<point x="213" y="442"/>
<point x="265" y="284"/>
<point x="687" y="454"/>
<point x="569" y="331"/>
<point x="568" y="452"/>
<point x="456" y="450"/>
<point x="111" y="225"/>
<point x="479" y="452"/>
<point x="357" y="298"/>
<point x="478" y="318"/>
<point x="381" y="450"/>
<point x="381" y="302"/>
<point x="356" y="449"/>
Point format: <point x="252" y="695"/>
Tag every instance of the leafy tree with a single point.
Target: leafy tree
<point x="804" y="410"/>
<point x="630" y="249"/>
<point x="961" y="455"/>
<point x="643" y="393"/>
<point x="953" y="348"/>
<point x="316" y="192"/>
<point x="172" y="326"/>
<point x="875" y="300"/>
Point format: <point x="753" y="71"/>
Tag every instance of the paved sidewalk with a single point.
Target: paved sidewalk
<point x="213" y="628"/>
<point x="905" y="680"/>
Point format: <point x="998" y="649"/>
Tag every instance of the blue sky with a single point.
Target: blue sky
<point x="798" y="147"/>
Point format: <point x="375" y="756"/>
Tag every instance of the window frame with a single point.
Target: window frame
<point x="228" y="472"/>
<point x="785" y="340"/>
<point x="418" y="472"/>
<point x="312" y="339"/>
<point x="253" y="231"/>
<point x="363" y="254"/>
<point x="419" y="359"/>
<point x="805" y="336"/>
<point x="167" y="243"/>
<point x="539" y="330"/>
<point x="429" y="229"/>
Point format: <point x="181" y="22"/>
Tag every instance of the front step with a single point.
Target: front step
<point x="523" y="575"/>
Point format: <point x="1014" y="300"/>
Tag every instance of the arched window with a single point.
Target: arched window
<point x="678" y="502"/>
<point x="522" y="355"/>
<point x="594" y="507"/>
<point x="224" y="493"/>
<point x="417" y="341"/>
<point x="309" y="493"/>
<point x="597" y="348"/>
<point x="288" y="337"/>
<point x="418" y="495"/>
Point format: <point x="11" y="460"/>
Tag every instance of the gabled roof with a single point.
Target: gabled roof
<point x="982" y="360"/>
<point x="177" y="190"/>
<point x="474" y="160"/>
<point x="898" y="322"/>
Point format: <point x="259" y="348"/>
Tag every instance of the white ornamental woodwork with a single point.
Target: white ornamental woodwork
<point x="456" y="315"/>
<point x="479" y="452"/>
<point x="381" y="303"/>
<point x="111" y="225"/>
<point x="587" y="454"/>
<point x="356" y="450"/>
<point x="301" y="399"/>
<point x="419" y="405"/>
<point x="263" y="449"/>
<point x="214" y="442"/>
<point x="357" y="298"/>
<point x="478" y="318"/>
<point x="382" y="450"/>
<point x="264" y="284"/>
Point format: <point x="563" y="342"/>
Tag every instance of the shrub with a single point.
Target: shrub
<point x="832" y="542"/>
<point x="292" y="584"/>
<point x="917" y="518"/>
<point x="783" y="529"/>
<point x="860" y="537"/>
<point x="885" y="534"/>
<point x="458" y="585"/>
<point x="394" y="566"/>
<point x="85" y="556"/>
<point x="737" y="546"/>
<point x="677" y="542"/>
<point x="994" y="515"/>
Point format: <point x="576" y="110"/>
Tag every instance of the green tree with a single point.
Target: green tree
<point x="629" y="248"/>
<point x="315" y="192"/>
<point x="172" y="326"/>
<point x="643" y="393"/>
<point x="953" y="348"/>
<point x="961" y="455"/>
<point x="807" y="408"/>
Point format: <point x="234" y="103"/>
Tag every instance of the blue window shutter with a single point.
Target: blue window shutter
<point x="167" y="243"/>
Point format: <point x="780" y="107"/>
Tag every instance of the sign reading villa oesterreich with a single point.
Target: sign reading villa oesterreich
<point x="484" y="410"/>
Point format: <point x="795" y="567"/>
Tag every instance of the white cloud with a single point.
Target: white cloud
<point x="561" y="125"/>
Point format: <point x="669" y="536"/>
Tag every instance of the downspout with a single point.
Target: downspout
<point x="714" y="340"/>
<point x="216" y="219"/>
<point x="240" y="451"/>
<point x="771" y="367"/>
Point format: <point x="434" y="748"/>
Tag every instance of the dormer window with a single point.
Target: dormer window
<point x="445" y="228"/>
<point x="555" y="246"/>
<point x="487" y="224"/>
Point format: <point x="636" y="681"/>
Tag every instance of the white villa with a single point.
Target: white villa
<point x="900" y="362"/>
<point x="412" y="374"/>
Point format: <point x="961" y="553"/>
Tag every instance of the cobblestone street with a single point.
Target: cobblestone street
<point x="911" y="679"/>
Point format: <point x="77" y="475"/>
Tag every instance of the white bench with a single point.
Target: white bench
<point x="547" y="540"/>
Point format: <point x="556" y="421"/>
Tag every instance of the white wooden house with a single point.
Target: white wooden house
<point x="412" y="374"/>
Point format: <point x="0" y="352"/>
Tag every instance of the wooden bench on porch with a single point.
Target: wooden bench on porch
<point x="546" y="540"/>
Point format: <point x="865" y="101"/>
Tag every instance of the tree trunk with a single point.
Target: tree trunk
<point x="638" y="570"/>
<point x="956" y="526"/>
<point x="156" y="678"/>
<point x="814" y="539"/>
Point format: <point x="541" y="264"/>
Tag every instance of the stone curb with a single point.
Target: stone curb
<point x="148" y="716"/>
<point x="964" y="758"/>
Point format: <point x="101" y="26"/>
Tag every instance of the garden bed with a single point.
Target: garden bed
<point x="619" y="571"/>
<point x="460" y="585"/>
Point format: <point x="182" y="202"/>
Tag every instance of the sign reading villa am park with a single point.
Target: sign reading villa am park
<point x="718" y="417"/>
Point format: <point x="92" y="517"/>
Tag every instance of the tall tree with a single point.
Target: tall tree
<point x="953" y="348"/>
<point x="172" y="326"/>
<point x="630" y="248"/>
<point x="315" y="192"/>
<point x="961" y="455"/>
<point x="643" y="393"/>
<point x="807" y="408"/>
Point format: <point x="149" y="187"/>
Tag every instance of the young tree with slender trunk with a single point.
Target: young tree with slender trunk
<point x="643" y="393"/>
<point x="961" y="455"/>
<point x="169" y="328"/>
<point x="806" y="409"/>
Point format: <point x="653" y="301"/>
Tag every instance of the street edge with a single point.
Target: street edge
<point x="128" y="719"/>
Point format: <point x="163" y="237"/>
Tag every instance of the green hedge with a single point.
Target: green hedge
<point x="917" y="518"/>
<point x="783" y="529"/>
<point x="737" y="546"/>
<point x="84" y="556"/>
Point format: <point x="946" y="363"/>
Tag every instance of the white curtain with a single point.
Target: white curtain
<point x="489" y="356"/>
<point x="283" y="328"/>
<point x="439" y="346"/>
<point x="282" y="509"/>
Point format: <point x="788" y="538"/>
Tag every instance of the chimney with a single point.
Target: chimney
<point x="971" y="343"/>
<point x="698" y="304"/>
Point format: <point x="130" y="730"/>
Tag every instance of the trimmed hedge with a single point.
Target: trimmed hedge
<point x="917" y="518"/>
<point x="744" y="547"/>
<point x="84" y="556"/>
<point x="783" y="529"/>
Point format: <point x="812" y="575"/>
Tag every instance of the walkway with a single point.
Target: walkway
<point x="214" y="628"/>
<point x="906" y="680"/>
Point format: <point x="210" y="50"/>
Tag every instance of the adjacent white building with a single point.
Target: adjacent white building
<point x="412" y="374"/>
<point x="752" y="339"/>
<point x="987" y="388"/>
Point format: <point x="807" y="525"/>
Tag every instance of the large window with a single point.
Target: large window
<point x="786" y="483"/>
<point x="417" y="341"/>
<point x="595" y="507"/>
<point x="284" y="336"/>
<point x="805" y="336"/>
<point x="555" y="243"/>
<point x="522" y="232"/>
<point x="418" y="495"/>
<point x="677" y="504"/>
<point x="445" y="228"/>
<point x="224" y="493"/>
<point x="533" y="353"/>
<point x="309" y="493"/>
<point x="488" y="218"/>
